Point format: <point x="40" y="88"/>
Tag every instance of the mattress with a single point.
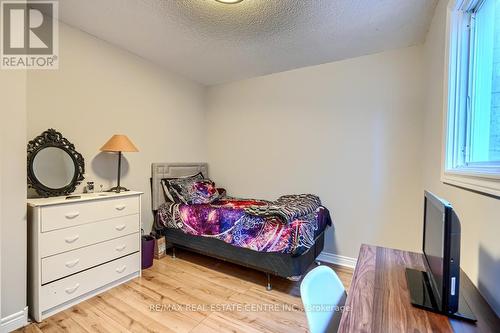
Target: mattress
<point x="229" y="220"/>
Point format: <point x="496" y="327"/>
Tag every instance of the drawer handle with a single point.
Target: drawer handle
<point x="121" y="269"/>
<point x="72" y="290"/>
<point x="72" y="215"/>
<point x="71" y="264"/>
<point x="121" y="248"/>
<point x="120" y="227"/>
<point x="73" y="239"/>
<point x="120" y="207"/>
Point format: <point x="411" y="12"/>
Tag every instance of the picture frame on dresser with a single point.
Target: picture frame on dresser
<point x="81" y="247"/>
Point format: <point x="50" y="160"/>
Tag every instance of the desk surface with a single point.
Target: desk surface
<point x="379" y="301"/>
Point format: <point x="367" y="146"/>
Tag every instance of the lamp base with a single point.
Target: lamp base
<point x="118" y="189"/>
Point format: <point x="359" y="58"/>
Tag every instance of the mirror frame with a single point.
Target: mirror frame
<point x="52" y="138"/>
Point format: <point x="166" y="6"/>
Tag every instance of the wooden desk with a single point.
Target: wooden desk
<point x="378" y="300"/>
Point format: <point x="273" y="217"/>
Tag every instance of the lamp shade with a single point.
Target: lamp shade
<point x="119" y="142"/>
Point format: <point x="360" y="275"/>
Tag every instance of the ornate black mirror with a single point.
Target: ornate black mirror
<point x="54" y="166"/>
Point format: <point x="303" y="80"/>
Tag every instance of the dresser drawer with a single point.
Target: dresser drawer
<point x="72" y="214"/>
<point x="64" y="264"/>
<point x="58" y="241"/>
<point x="63" y="290"/>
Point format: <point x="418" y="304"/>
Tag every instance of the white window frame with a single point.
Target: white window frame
<point x="480" y="177"/>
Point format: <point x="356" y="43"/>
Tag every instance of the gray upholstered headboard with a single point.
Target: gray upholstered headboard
<point x="171" y="170"/>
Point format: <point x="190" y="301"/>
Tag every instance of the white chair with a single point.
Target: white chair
<point x="322" y="294"/>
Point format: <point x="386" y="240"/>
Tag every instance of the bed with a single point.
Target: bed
<point x="289" y="255"/>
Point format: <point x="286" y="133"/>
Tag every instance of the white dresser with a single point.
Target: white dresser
<point x="81" y="247"/>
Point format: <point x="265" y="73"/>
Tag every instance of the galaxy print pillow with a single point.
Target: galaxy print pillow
<point x="176" y="189"/>
<point x="203" y="192"/>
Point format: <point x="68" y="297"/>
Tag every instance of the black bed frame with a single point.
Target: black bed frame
<point x="271" y="263"/>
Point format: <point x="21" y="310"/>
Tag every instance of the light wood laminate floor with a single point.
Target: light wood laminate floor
<point x="191" y="293"/>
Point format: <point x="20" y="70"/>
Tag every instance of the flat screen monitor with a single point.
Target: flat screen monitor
<point x="437" y="288"/>
<point x="441" y="247"/>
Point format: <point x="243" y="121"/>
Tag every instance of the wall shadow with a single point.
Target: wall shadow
<point x="105" y="165"/>
<point x="488" y="278"/>
<point x="331" y="239"/>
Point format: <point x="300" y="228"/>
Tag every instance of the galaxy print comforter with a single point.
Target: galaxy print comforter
<point x="287" y="225"/>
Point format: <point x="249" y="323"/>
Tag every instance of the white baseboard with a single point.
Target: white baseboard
<point x="337" y="259"/>
<point x="14" y="321"/>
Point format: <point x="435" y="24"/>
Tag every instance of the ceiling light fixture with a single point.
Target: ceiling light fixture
<point x="229" y="2"/>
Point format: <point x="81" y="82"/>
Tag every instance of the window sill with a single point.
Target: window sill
<point x="487" y="183"/>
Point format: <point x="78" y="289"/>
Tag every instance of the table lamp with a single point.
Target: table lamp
<point x="118" y="144"/>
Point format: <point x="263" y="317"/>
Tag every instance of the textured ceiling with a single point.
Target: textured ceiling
<point x="212" y="43"/>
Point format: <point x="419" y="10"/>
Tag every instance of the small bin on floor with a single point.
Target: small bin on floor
<point x="148" y="246"/>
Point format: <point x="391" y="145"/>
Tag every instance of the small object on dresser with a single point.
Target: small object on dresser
<point x="160" y="246"/>
<point x="90" y="187"/>
<point x="148" y="250"/>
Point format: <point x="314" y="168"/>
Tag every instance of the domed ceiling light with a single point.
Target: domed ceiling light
<point x="229" y="2"/>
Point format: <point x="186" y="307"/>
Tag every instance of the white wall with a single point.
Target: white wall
<point x="13" y="194"/>
<point x="100" y="90"/>
<point x="349" y="131"/>
<point x="479" y="214"/>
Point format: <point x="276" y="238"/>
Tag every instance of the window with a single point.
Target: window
<point x="472" y="157"/>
